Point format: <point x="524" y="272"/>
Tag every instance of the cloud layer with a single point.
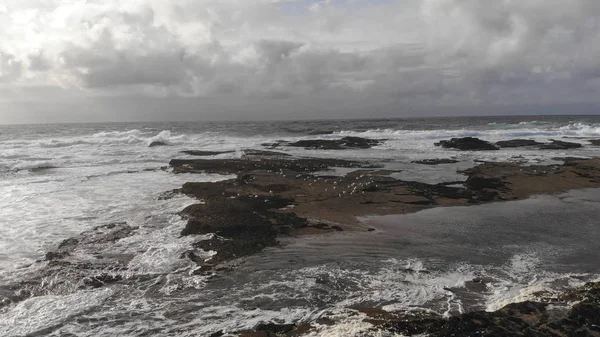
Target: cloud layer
<point x="423" y="54"/>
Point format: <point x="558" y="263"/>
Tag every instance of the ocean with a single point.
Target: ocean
<point x="57" y="181"/>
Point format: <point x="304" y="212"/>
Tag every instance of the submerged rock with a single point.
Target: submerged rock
<point x="531" y="319"/>
<point x="272" y="163"/>
<point x="277" y="330"/>
<point x="332" y="144"/>
<point x="560" y="145"/>
<point x="467" y="144"/>
<point x="204" y="153"/>
<point x="595" y="142"/>
<point x="517" y="143"/>
<point x="435" y="161"/>
<point x="158" y="143"/>
<point x="262" y="153"/>
<point x="273" y="195"/>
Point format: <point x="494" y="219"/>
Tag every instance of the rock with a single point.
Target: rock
<point x="204" y="153"/>
<point x="517" y="143"/>
<point x="229" y="217"/>
<point x="337" y="144"/>
<point x="467" y="144"/>
<point x="109" y="233"/>
<point x="233" y="166"/>
<point x="435" y="161"/>
<point x="595" y="142"/>
<point x="243" y="225"/>
<point x="277" y="330"/>
<point x="560" y="145"/>
<point x="50" y="256"/>
<point x="273" y="196"/>
<point x="569" y="159"/>
<point x="217" y="334"/>
<point x="263" y="153"/>
<point x="157" y="143"/>
<point x="526" y="319"/>
<point x="42" y="168"/>
<point x="479" y="182"/>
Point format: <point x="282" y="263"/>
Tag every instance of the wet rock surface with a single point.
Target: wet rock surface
<point x="560" y="145"/>
<point x="277" y="195"/>
<point x="595" y="142"/>
<point x="467" y="144"/>
<point x="435" y="161"/>
<point x="157" y="143"/>
<point x="79" y="263"/>
<point x="205" y="153"/>
<point x="332" y="144"/>
<point x="518" y="143"/>
<point x="509" y="181"/>
<point x="574" y="313"/>
<point x="261" y="162"/>
<point x="528" y="318"/>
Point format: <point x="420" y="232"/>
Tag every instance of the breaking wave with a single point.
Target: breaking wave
<point x="114" y="137"/>
<point x="529" y="129"/>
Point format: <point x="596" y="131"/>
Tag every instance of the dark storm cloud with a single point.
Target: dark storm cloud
<point x="426" y="54"/>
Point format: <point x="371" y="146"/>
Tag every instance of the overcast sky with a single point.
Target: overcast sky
<point x="114" y="60"/>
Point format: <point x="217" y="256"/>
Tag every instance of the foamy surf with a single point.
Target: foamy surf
<point x="66" y="182"/>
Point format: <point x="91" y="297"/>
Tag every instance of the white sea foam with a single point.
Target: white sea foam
<point x="524" y="279"/>
<point x="38" y="313"/>
<point x="101" y="179"/>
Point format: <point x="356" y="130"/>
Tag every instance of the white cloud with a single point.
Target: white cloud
<point x="419" y="52"/>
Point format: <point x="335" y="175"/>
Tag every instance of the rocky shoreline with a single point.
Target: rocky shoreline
<point x="275" y="195"/>
<point x="575" y="312"/>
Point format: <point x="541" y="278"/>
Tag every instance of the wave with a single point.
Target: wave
<point x="499" y="131"/>
<point x="58" y="143"/>
<point x="118" y="134"/>
<point x="33" y="166"/>
<point x="581" y="129"/>
<point x="163" y="137"/>
<point x="113" y="137"/>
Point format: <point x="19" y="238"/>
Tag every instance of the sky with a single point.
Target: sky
<point x="137" y="60"/>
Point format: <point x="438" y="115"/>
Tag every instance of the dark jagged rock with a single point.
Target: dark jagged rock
<point x="157" y="143"/>
<point x="467" y="144"/>
<point x="204" y="153"/>
<point x="243" y="225"/>
<point x="82" y="261"/>
<point x="517" y="143"/>
<point x="435" y="161"/>
<point x="560" y="145"/>
<point x="330" y="144"/>
<point x="97" y="235"/>
<point x="513" y="181"/>
<point x="235" y="247"/>
<point x="263" y="153"/>
<point x="526" y="319"/>
<point x="230" y="217"/>
<point x="42" y="168"/>
<point x="233" y="166"/>
<point x="337" y="144"/>
<point x="569" y="159"/>
<point x="277" y="330"/>
<point x="264" y="201"/>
